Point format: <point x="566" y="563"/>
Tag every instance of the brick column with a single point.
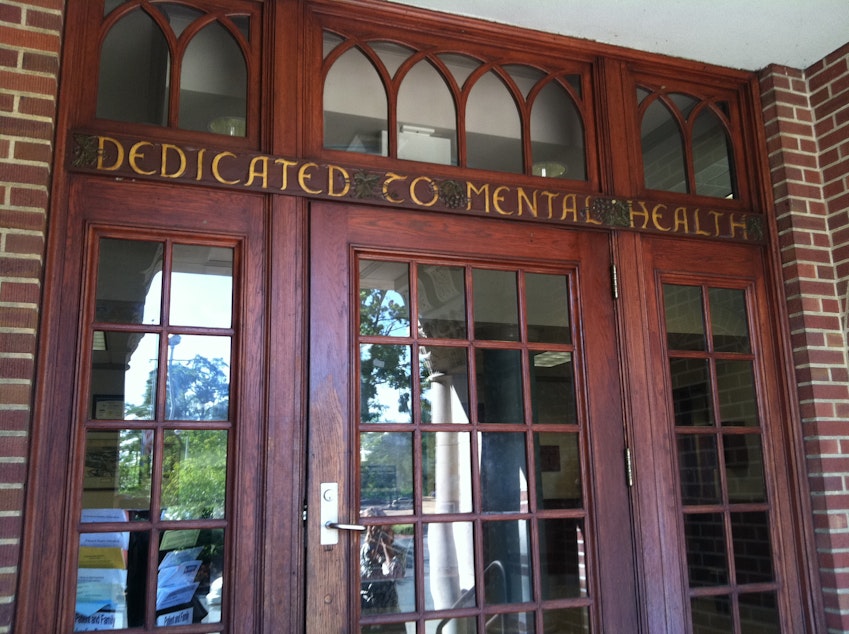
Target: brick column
<point x="30" y="33"/>
<point x="806" y="114"/>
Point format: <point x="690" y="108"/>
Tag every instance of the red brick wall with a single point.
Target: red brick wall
<point x="807" y="128"/>
<point x="29" y="64"/>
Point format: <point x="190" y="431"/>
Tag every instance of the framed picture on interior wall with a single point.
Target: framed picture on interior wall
<point x="101" y="460"/>
<point x="107" y="407"/>
<point x="549" y="458"/>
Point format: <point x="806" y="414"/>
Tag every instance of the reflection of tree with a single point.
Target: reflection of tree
<point x="194" y="470"/>
<point x="194" y="462"/>
<point x="382" y="314"/>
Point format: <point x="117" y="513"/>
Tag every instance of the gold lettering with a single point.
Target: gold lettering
<point x="644" y="214"/>
<point x="549" y="202"/>
<point x="697" y="216"/>
<point x="304" y="178"/>
<point x="433" y="188"/>
<point x="498" y="198"/>
<point x="657" y="216"/>
<point x="532" y="204"/>
<point x="681" y="221"/>
<point x="215" y="171"/>
<point x="199" y="175"/>
<point x="331" y="181"/>
<point x="570" y="207"/>
<point x="483" y="191"/>
<point x="716" y="216"/>
<point x="101" y="152"/>
<point x="253" y="173"/>
<point x="735" y="224"/>
<point x="163" y="168"/>
<point x="391" y="177"/>
<point x="135" y="153"/>
<point x="285" y="174"/>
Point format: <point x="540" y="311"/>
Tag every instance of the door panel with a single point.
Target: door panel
<point x="466" y="400"/>
<point x="725" y="464"/>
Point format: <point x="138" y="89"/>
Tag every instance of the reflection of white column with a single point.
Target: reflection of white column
<point x="444" y="574"/>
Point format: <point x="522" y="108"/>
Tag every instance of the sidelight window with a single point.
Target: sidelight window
<point x="157" y="431"/>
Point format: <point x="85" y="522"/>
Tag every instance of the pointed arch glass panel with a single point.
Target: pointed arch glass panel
<point x="134" y="69"/>
<point x="213" y="83"/>
<point x="391" y="55"/>
<point x="355" y="106"/>
<point x="663" y="150"/>
<point x="712" y="156"/>
<point x="460" y="66"/>
<point x="557" y="135"/>
<point x="427" y="117"/>
<point x="493" y="127"/>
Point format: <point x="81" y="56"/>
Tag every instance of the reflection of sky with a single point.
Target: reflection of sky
<point x="197" y="300"/>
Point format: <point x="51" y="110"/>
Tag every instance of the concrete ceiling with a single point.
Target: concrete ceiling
<point x="746" y="34"/>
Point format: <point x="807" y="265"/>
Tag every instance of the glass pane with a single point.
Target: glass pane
<point x="134" y="66"/>
<point x="496" y="308"/>
<point x="684" y="103"/>
<point x="752" y="551"/>
<point x="499" y="386"/>
<point x="507" y="565"/>
<point x="178" y="16"/>
<point x="705" y="534"/>
<point x="444" y="385"/>
<point x="198" y="378"/>
<point x="446" y="472"/>
<point x="691" y="394"/>
<point x="385" y="384"/>
<point x="563" y="557"/>
<point x="387" y="568"/>
<point x="557" y="135"/>
<point x="213" y="83"/>
<point x="547" y="298"/>
<point x="685" y="328"/>
<point x="503" y="469"/>
<point x="330" y="42"/>
<point x="728" y="317"/>
<point x="663" y="150"/>
<point x="698" y="469"/>
<point x="462" y="624"/>
<point x="386" y="473"/>
<point x="355" y="106"/>
<point x="759" y="613"/>
<point x="392" y="55"/>
<point x="123" y="376"/>
<point x="712" y="615"/>
<point x="427" y="117"/>
<point x="461" y="66"/>
<point x="189" y="562"/>
<point x="117" y="474"/>
<point x="493" y="127"/>
<point x="384" y="298"/>
<point x="194" y="474"/>
<point x="449" y="575"/>
<point x="202" y="286"/>
<point x="712" y="157"/>
<point x="552" y="387"/>
<point x="744" y="468"/>
<point x="102" y="572"/>
<point x="567" y="621"/>
<point x="442" y="302"/>
<point x="129" y="282"/>
<point x="558" y="471"/>
<point x="526" y="77"/>
<point x="735" y="386"/>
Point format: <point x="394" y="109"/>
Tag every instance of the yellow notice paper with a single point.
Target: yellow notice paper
<point x="91" y="557"/>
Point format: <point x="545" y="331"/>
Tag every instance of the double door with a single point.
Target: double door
<point x="503" y="438"/>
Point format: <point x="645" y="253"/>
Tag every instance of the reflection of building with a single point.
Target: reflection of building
<point x="216" y="171"/>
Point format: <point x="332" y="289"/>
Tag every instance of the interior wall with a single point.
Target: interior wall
<point x="806" y="114"/>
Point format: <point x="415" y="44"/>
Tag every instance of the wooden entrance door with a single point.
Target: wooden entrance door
<point x="466" y="440"/>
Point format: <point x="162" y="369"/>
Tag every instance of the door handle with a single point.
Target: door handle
<point x="344" y="527"/>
